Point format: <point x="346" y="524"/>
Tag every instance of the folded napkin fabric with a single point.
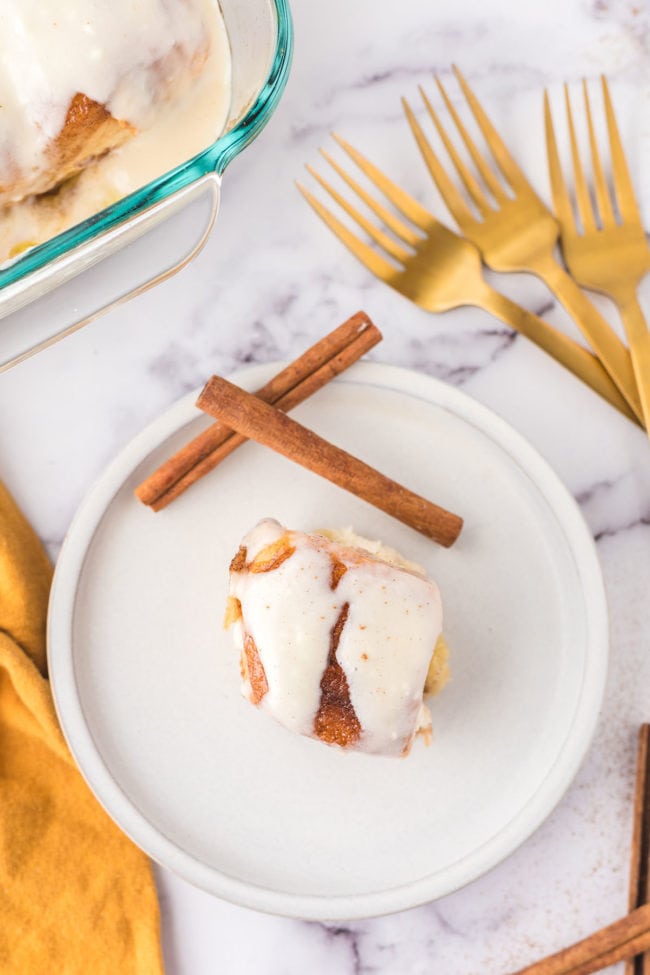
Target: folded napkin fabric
<point x="76" y="896"/>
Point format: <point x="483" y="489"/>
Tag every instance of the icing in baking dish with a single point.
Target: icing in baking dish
<point x="161" y="68"/>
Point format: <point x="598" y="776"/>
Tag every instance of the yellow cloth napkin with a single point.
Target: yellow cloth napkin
<point x="76" y="896"/>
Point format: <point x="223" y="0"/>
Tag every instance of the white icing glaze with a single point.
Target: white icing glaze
<point x="107" y="50"/>
<point x="139" y="58"/>
<point x="290" y="613"/>
<point x="394" y="620"/>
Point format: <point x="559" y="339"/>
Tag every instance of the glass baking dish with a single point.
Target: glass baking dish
<point x="68" y="281"/>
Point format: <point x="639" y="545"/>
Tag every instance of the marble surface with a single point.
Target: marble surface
<point x="270" y="281"/>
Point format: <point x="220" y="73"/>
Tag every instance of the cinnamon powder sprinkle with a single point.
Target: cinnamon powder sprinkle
<point x="338" y="571"/>
<point x="272" y="556"/>
<point x="336" y="722"/>
<point x="255" y="670"/>
<point x="239" y="560"/>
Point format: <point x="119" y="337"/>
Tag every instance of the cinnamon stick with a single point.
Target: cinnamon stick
<point x="299" y="380"/>
<point x="639" y="860"/>
<point x="269" y="426"/>
<point x="628" y="939"/>
<point x="616" y="942"/>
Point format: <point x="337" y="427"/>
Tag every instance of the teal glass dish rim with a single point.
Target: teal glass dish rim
<point x="213" y="159"/>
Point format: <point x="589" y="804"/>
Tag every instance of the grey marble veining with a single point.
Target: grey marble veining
<point x="268" y="283"/>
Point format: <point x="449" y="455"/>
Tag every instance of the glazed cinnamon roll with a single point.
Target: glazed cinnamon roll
<point x="339" y="637"/>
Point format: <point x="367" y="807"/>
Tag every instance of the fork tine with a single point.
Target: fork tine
<point x="627" y="205"/>
<point x="389" y="245"/>
<point x="363" y="252"/>
<point x="398" y="226"/>
<point x="506" y="163"/>
<point x="487" y="175"/>
<point x="466" y="176"/>
<point x="457" y="206"/>
<point x="600" y="183"/>
<point x="559" y="192"/>
<point x="409" y="207"/>
<point x="582" y="193"/>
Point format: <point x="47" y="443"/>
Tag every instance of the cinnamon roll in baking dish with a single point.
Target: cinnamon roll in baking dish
<point x="82" y="80"/>
<point x="339" y="637"/>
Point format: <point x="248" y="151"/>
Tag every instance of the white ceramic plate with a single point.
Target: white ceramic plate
<point x="147" y="684"/>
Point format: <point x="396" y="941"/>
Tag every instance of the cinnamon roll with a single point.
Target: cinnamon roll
<point x="339" y="637"/>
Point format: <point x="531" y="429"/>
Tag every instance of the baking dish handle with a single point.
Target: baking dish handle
<point x="82" y="284"/>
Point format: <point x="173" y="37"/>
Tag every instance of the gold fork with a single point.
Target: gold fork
<point x="438" y="269"/>
<point x="613" y="257"/>
<point x="515" y="230"/>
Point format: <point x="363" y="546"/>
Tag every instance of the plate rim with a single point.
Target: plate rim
<point x="165" y="851"/>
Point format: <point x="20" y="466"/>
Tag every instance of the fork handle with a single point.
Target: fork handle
<point x="611" y="351"/>
<point x="564" y="350"/>
<point x="638" y="337"/>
